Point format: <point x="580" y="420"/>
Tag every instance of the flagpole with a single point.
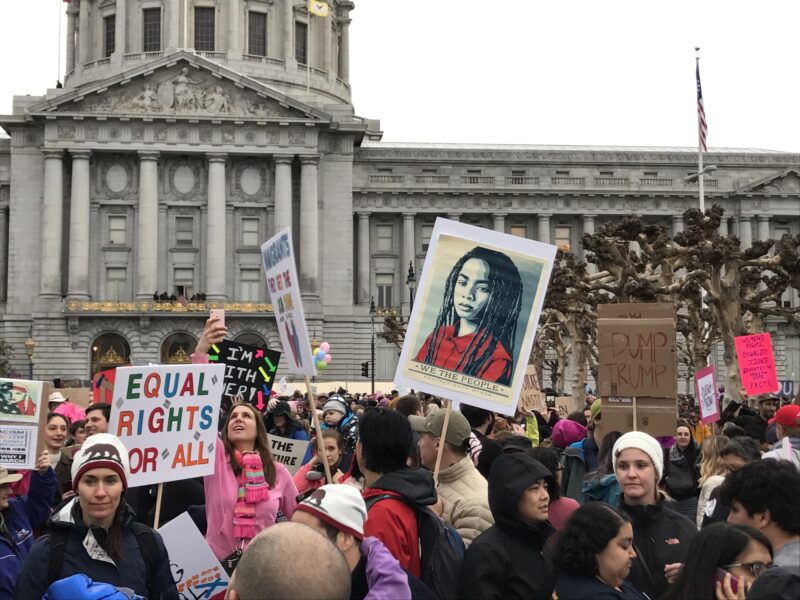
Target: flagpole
<point x="700" y="190"/>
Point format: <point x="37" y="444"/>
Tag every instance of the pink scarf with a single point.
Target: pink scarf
<point x="252" y="489"/>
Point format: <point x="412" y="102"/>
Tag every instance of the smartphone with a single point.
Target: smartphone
<point x="219" y="314"/>
<point x="719" y="575"/>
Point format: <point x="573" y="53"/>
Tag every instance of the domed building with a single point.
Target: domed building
<point x="135" y="198"/>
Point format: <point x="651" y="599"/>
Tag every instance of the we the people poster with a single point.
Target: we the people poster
<point x="474" y="318"/>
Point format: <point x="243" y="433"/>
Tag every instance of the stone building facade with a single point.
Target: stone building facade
<point x="188" y="132"/>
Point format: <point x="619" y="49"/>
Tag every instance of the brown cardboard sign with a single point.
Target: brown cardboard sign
<point x="564" y="406"/>
<point x="531" y="396"/>
<point x="637" y="357"/>
<point x="80" y="396"/>
<point x="656" y="416"/>
<point x="636" y="310"/>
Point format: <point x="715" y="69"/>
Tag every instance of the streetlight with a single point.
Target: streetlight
<point x="372" y="345"/>
<point x="698" y="177"/>
<point x="30" y="346"/>
<point x="411" y="282"/>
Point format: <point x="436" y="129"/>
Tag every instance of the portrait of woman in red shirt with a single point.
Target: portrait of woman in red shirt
<point x="476" y="326"/>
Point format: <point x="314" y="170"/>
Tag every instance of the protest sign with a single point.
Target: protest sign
<point x="475" y="315"/>
<point x="757" y="364"/>
<point x="249" y="371"/>
<point x="167" y="418"/>
<point x="786" y="388"/>
<point x="103" y="386"/>
<point x="288" y="451"/>
<point x="277" y="255"/>
<point x="531" y="396"/>
<point x="706" y="394"/>
<point x="22" y="422"/>
<point x="656" y="416"/>
<point x="196" y="571"/>
<point x="563" y="405"/>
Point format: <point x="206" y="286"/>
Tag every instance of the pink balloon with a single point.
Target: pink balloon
<point x="327" y="359"/>
<point x="325" y="346"/>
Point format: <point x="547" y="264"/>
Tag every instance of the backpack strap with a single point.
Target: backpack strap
<point x="150" y="553"/>
<point x="58" y="542"/>
<point x="370" y="502"/>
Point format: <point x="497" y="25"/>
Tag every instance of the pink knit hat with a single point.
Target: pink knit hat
<point x="567" y="432"/>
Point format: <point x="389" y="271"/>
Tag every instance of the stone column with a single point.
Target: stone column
<point x="52" y="217"/>
<point x="172" y="23"/>
<point x="215" y="242"/>
<point x="723" y="226"/>
<point x="763" y="227"/>
<point x="677" y="224"/>
<point x="71" y="12"/>
<point x="309" y="225"/>
<point x="78" y="288"/>
<point x="344" y="51"/>
<point x="120" y="29"/>
<point x="454" y="216"/>
<point x="500" y="223"/>
<point x="147" y="239"/>
<point x="234" y="32"/>
<point x="409" y="247"/>
<point x="745" y="232"/>
<point x="3" y="253"/>
<point x="588" y="224"/>
<point x="362" y="291"/>
<point x="327" y="43"/>
<point x="288" y="31"/>
<point x="84" y="41"/>
<point x="283" y="192"/>
<point x="544" y="228"/>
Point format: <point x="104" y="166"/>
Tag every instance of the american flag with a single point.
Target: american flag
<point x="702" y="126"/>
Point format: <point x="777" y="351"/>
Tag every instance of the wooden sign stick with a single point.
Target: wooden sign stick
<point x="634" y="413"/>
<point x="312" y="407"/>
<point x="158" y="505"/>
<point x="441" y="443"/>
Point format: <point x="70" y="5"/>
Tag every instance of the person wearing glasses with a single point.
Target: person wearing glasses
<point x="722" y="559"/>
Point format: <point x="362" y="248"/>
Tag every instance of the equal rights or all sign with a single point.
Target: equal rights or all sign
<point x="249" y="371"/>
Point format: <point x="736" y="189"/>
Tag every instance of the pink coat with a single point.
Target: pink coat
<point x="222" y="489"/>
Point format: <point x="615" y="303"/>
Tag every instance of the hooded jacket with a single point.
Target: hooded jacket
<point x="786" y="449"/>
<point x="507" y="561"/>
<point x="16" y="527"/>
<point x="394" y="522"/>
<point x="661" y="537"/>
<point x="579" y="459"/>
<point x="84" y="555"/>
<point x="348" y="427"/>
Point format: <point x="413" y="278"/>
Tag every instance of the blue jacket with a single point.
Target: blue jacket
<point x="570" y="587"/>
<point x="80" y="586"/>
<point x="130" y="571"/>
<point x="19" y="518"/>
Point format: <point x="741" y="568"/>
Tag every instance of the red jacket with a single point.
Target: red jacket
<point x="452" y="348"/>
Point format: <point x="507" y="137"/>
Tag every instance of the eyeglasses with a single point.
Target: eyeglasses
<point x="757" y="568"/>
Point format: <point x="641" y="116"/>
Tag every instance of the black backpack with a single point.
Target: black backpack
<point x="147" y="546"/>
<point x="441" y="549"/>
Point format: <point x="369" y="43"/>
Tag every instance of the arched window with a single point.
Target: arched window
<point x="110" y="350"/>
<point x="177" y="348"/>
<point x="253" y="339"/>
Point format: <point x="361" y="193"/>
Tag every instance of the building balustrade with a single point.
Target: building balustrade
<point x="655" y="182"/>
<point x="567" y="180"/>
<point x="477" y="179"/>
<point x="515" y="180"/>
<point x="611" y="181"/>
<point x="151" y="307"/>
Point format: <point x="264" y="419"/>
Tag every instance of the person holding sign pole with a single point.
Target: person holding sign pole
<point x="94" y="534"/>
<point x="281" y="422"/>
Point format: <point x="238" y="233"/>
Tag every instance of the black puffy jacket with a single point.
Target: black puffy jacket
<point x="661" y="537"/>
<point x="506" y="560"/>
<point x="681" y="474"/>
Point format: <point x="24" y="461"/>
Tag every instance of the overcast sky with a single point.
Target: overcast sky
<point x="609" y="72"/>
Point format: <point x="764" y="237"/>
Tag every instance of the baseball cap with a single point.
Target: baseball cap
<point x="458" y="429"/>
<point x="788" y="416"/>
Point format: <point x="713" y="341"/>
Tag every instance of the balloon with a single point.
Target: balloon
<point x="325" y="346"/>
<point x="327" y="359"/>
<point x="315" y="351"/>
<point x="320" y="354"/>
<point x="321" y="366"/>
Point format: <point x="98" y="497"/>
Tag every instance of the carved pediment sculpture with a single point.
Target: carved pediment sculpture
<point x="783" y="183"/>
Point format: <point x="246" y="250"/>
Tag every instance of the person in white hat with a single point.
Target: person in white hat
<point x="18" y="517"/>
<point x="661" y="536"/>
<point x="94" y="533"/>
<point x="54" y="399"/>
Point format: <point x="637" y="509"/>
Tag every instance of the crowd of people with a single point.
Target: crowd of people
<point x="422" y="502"/>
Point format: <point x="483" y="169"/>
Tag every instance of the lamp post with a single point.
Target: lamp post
<point x="411" y="282"/>
<point x="698" y="177"/>
<point x="372" y="344"/>
<point x="30" y="346"/>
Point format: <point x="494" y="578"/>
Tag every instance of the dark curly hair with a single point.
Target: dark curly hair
<point x="587" y="532"/>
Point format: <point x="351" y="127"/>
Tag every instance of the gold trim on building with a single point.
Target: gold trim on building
<point x="166" y="307"/>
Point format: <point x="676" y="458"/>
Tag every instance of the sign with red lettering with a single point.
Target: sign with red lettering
<point x="706" y="394"/>
<point x="757" y="364"/>
<point x="637" y="357"/>
<point x="167" y="418"/>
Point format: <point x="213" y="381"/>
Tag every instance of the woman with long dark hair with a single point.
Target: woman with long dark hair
<point x="718" y="550"/>
<point x="476" y="327"/>
<point x="681" y="475"/>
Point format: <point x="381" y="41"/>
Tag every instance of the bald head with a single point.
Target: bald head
<point x="278" y="564"/>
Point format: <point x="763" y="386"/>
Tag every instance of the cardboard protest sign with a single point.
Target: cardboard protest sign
<point x="706" y="394"/>
<point x="656" y="416"/>
<point x="288" y="451"/>
<point x="564" y="405"/>
<point x="277" y="255"/>
<point x="531" y="396"/>
<point x="475" y="315"/>
<point x="22" y="422"/>
<point x="757" y="364"/>
<point x="103" y="386"/>
<point x="249" y="371"/>
<point x="167" y="418"/>
<point x="196" y="571"/>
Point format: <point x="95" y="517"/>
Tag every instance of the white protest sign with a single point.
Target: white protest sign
<point x="288" y="451"/>
<point x="167" y="418"/>
<point x="196" y="571"/>
<point x="475" y="315"/>
<point x="706" y="395"/>
<point x="18" y="446"/>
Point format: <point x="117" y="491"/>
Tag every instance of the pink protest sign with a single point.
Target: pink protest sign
<point x="706" y="394"/>
<point x="757" y="364"/>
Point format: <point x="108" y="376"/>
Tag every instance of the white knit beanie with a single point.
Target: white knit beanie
<point x="644" y="442"/>
<point x="340" y="506"/>
<point x="101" y="451"/>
